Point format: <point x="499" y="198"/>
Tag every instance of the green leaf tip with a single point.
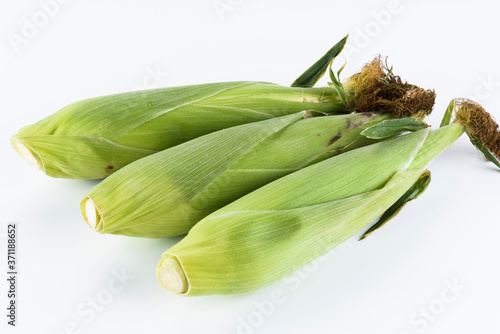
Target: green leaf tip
<point x="448" y="113"/>
<point x="337" y="84"/>
<point x="487" y="153"/>
<point x="413" y="193"/>
<point x="311" y="76"/>
<point x="393" y="127"/>
<point x="389" y="73"/>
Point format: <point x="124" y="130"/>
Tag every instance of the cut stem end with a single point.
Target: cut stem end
<point x="171" y="276"/>
<point x="92" y="216"/>
<point x="30" y="156"/>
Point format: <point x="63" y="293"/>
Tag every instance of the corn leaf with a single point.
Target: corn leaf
<point x="337" y="84"/>
<point x="487" y="153"/>
<point x="413" y="193"/>
<point x="311" y="76"/>
<point x="448" y="114"/>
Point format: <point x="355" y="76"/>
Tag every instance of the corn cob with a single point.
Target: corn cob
<point x="259" y="238"/>
<point x="166" y="193"/>
<point x="93" y="138"/>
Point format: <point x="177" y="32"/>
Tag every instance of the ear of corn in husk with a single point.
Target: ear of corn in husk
<point x="166" y="193"/>
<point x="93" y="138"/>
<point x="255" y="240"/>
<point x="54" y="145"/>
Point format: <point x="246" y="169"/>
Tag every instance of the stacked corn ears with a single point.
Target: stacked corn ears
<point x="262" y="178"/>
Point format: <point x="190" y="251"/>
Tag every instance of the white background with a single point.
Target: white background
<point x="384" y="284"/>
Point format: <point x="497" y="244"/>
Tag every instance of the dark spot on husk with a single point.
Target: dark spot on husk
<point x="351" y="125"/>
<point x="110" y="167"/>
<point x="334" y="139"/>
<point x="379" y="90"/>
<point x="479" y="124"/>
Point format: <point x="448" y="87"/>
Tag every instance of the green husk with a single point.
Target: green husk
<point x="243" y="251"/>
<point x="93" y="138"/>
<point x="166" y="193"/>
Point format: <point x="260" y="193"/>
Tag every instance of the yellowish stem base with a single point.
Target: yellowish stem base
<point x="27" y="153"/>
<point x="171" y="276"/>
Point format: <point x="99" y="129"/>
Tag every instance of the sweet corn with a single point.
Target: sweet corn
<point x="93" y="138"/>
<point x="258" y="239"/>
<point x="166" y="193"/>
